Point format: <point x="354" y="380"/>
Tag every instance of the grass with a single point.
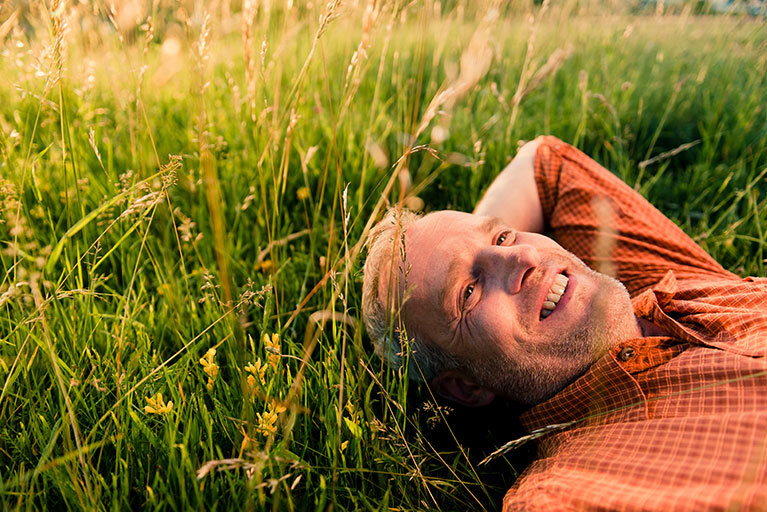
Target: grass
<point x="204" y="180"/>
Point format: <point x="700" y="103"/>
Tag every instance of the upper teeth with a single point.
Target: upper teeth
<point x="555" y="293"/>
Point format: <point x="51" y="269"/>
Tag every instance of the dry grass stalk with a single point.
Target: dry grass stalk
<point x="8" y="25"/>
<point x="550" y="68"/>
<point x="523" y="77"/>
<point x="282" y="241"/>
<point x="511" y="445"/>
<point x="317" y="321"/>
<point x="252" y="468"/>
<point x="499" y="96"/>
<point x="58" y="27"/>
<point x="285" y="160"/>
<point x="148" y="29"/>
<point x="112" y="17"/>
<point x="249" y="9"/>
<point x="668" y="154"/>
<point x="227" y="465"/>
<point x="606" y="104"/>
<point x="202" y="49"/>
<point x="353" y="71"/>
<point x="475" y="62"/>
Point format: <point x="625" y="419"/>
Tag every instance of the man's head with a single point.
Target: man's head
<point x="492" y="311"/>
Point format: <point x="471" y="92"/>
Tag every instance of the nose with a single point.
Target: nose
<point x="509" y="266"/>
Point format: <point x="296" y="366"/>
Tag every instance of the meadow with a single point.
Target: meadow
<point x="185" y="192"/>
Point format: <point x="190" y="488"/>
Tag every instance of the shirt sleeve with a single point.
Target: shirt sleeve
<point x="590" y="212"/>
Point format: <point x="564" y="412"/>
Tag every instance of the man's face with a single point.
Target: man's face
<point x="476" y="289"/>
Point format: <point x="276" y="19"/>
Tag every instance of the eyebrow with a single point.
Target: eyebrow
<point x="454" y="268"/>
<point x="489" y="224"/>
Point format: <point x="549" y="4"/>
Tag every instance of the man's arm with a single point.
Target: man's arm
<point x="513" y="195"/>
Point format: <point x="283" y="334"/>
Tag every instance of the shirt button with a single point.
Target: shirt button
<point x="626" y="353"/>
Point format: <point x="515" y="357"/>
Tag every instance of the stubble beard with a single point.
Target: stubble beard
<point x="527" y="379"/>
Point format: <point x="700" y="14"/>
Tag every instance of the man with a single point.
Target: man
<point x="657" y="376"/>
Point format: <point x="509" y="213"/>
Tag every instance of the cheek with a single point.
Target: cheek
<point x="494" y="321"/>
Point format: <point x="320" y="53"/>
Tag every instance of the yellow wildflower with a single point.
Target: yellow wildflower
<point x="210" y="367"/>
<point x="157" y="405"/>
<point x="257" y="373"/>
<point x="272" y="346"/>
<point x="264" y="266"/>
<point x="303" y="193"/>
<point x="267" y="420"/>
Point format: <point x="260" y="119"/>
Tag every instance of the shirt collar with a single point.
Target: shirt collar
<point x="659" y="296"/>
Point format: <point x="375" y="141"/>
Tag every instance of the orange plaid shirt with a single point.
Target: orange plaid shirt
<point x="660" y="423"/>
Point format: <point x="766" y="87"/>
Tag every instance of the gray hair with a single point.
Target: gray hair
<point x="386" y="248"/>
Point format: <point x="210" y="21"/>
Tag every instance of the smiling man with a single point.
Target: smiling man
<point x="522" y="315"/>
<point x="656" y="370"/>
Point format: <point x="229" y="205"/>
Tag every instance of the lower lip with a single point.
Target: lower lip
<point x="571" y="282"/>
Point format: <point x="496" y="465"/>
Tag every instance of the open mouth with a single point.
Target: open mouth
<point x="555" y="293"/>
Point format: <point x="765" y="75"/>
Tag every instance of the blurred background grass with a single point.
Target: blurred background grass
<point x="182" y="176"/>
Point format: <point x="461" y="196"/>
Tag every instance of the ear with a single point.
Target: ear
<point x="455" y="386"/>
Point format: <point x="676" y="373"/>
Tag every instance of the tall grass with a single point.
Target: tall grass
<point x="184" y="195"/>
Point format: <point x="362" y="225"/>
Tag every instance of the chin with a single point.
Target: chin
<point x="613" y="319"/>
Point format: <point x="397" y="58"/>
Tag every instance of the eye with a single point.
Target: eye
<point x="506" y="235"/>
<point x="466" y="294"/>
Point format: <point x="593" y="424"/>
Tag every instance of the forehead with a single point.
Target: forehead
<point x="441" y="238"/>
<point x="449" y="222"/>
<point x="446" y="233"/>
<point x="436" y="246"/>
